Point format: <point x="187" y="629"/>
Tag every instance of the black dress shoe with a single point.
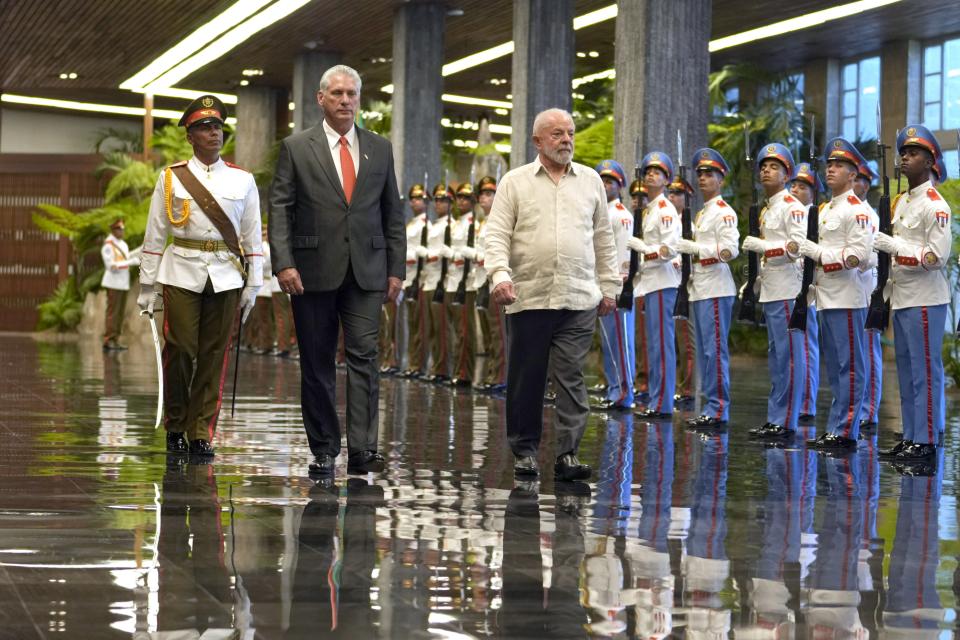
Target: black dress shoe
<point x="682" y="398"/>
<point x="525" y="466"/>
<point x="568" y="468"/>
<point x="201" y="448"/>
<point x="611" y="406"/>
<point x="868" y="426"/>
<point x="832" y="442"/>
<point x="598" y="390"/>
<point x="365" y="462"/>
<point x="770" y="431"/>
<point x="807" y="418"/>
<point x="891" y="453"/>
<point x="460" y="382"/>
<point x="322" y="465"/>
<point x="916" y="451"/>
<point x="706" y="422"/>
<point x="653" y="414"/>
<point x="440" y="379"/>
<point x="923" y="468"/>
<point x="176" y="443"/>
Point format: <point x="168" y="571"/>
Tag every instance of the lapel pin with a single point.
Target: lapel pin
<point x="366" y="157"/>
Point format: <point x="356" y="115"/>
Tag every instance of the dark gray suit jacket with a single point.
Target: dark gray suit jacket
<point x="313" y="228"/>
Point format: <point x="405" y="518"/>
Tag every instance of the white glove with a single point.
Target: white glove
<point x="638" y="245"/>
<point x="248" y="298"/>
<point x="469" y="253"/>
<point x="147" y="299"/>
<point x="754" y="244"/>
<point x="688" y="246"/>
<point x="810" y="249"/>
<point x="457" y="255"/>
<point x="446" y="252"/>
<point x="421" y="251"/>
<point x="886" y="243"/>
<point x="134" y="261"/>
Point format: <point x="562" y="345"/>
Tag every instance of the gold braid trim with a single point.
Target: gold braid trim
<point x="168" y="193"/>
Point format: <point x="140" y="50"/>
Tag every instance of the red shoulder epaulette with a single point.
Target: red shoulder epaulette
<point x="721" y="203"/>
<point x="788" y="199"/>
<point x="620" y="206"/>
<point x="933" y="194"/>
<point x="663" y="204"/>
<point x="853" y="199"/>
<point x="178" y="164"/>
<point x="233" y="166"/>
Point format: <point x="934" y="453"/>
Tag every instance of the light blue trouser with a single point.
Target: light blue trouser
<point x="918" y="338"/>
<point x="872" y="389"/>
<point x="661" y="350"/>
<point x="711" y="328"/>
<point x="786" y="365"/>
<point x="811" y="355"/>
<point x="617" y="333"/>
<point x="843" y="357"/>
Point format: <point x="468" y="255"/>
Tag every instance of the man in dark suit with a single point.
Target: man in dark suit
<point x="338" y="247"/>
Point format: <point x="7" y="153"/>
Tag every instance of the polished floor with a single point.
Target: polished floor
<point x="103" y="536"/>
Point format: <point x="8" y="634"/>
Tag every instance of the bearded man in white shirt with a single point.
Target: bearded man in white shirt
<point x="552" y="262"/>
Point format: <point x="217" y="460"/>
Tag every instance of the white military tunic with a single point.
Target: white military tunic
<point x="432" y="266"/>
<point x="116" y="264"/>
<point x="459" y="231"/>
<point x="921" y="219"/>
<point x="622" y="222"/>
<point x="783" y="224"/>
<point x="661" y="226"/>
<point x="478" y="273"/>
<point x="414" y="235"/>
<point x="715" y="230"/>
<point x="236" y="192"/>
<point x="868" y="276"/>
<point x="846" y="238"/>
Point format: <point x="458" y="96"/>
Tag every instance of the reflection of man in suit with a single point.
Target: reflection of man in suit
<point x="335" y="559"/>
<point x="338" y="247"/>
<point x="194" y="586"/>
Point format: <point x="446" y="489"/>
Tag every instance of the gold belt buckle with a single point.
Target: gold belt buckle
<point x="209" y="245"/>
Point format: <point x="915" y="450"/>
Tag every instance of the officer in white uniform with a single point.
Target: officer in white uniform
<point x="658" y="280"/>
<point x="843" y="251"/>
<point x="783" y="225"/>
<point x="203" y="282"/>
<point x="919" y="295"/>
<point x="712" y="290"/>
<point x="117" y="260"/>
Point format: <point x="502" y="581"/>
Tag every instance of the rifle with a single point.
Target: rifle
<point x="439" y="291"/>
<point x="413" y="290"/>
<point x="798" y="318"/>
<point x="878" y="313"/>
<point x="681" y="308"/>
<point x="625" y="299"/>
<point x="460" y="297"/>
<point x="748" y="294"/>
<point x="896" y="166"/>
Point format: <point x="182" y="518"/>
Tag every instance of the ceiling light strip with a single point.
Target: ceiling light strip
<point x="91" y="107"/>
<point x="218" y="25"/>
<point x="189" y="94"/>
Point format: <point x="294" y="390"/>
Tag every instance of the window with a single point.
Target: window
<point x="860" y="86"/>
<point x="950" y="162"/>
<point x="941" y="85"/>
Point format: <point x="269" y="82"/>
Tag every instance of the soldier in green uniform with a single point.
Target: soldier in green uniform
<point x="416" y="302"/>
<point x="211" y="208"/>
<point x="492" y="322"/>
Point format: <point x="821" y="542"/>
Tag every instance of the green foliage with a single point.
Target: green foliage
<point x="593" y="103"/>
<point x="120" y="140"/>
<point x="132" y="178"/>
<point x="950" y="190"/>
<point x="63" y="310"/>
<point x="595" y="143"/>
<point x="378" y="118"/>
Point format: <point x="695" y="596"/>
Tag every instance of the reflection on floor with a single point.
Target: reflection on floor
<point x="103" y="535"/>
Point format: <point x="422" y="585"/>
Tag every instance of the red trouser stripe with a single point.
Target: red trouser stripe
<point x="223" y="376"/>
<point x="853" y="375"/>
<point x="809" y="370"/>
<point x="716" y="338"/>
<point x="786" y="312"/>
<point x="622" y="382"/>
<point x="926" y="363"/>
<point x="663" y="357"/>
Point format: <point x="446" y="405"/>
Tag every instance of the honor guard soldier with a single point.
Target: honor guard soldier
<point x="212" y="210"/>
<point x="439" y="255"/>
<point x="712" y="291"/>
<point x="616" y="329"/>
<point x="659" y="278"/>
<point x="804" y="187"/>
<point x="492" y="323"/>
<point x="677" y="191"/>
<point x="919" y="295"/>
<point x="638" y="201"/>
<point x="868" y="281"/>
<point x="843" y="251"/>
<point x="117" y="259"/>
<point x="417" y="304"/>
<point x="461" y="312"/>
<point x="783" y="225"/>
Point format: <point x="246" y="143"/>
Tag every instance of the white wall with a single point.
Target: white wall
<point x="27" y="131"/>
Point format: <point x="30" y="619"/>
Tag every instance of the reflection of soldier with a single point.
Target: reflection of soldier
<point x="194" y="584"/>
<point x="530" y="608"/>
<point x="832" y="595"/>
<point x="336" y="555"/>
<point x="913" y="604"/>
<point x="870" y="565"/>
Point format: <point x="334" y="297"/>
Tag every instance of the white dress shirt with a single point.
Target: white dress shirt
<point x="333" y="139"/>
<point x="553" y="240"/>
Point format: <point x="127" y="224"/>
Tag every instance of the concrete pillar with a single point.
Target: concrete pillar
<point x="663" y="67"/>
<point x="901" y="77"/>
<point x="418" y="32"/>
<point x="256" y="125"/>
<point x="821" y="89"/>
<point x="307" y="69"/>
<point x="542" y="68"/>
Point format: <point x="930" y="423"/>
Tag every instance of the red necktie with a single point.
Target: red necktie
<point x="347" y="168"/>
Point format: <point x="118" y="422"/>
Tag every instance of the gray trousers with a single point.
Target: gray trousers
<point x="542" y="340"/>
